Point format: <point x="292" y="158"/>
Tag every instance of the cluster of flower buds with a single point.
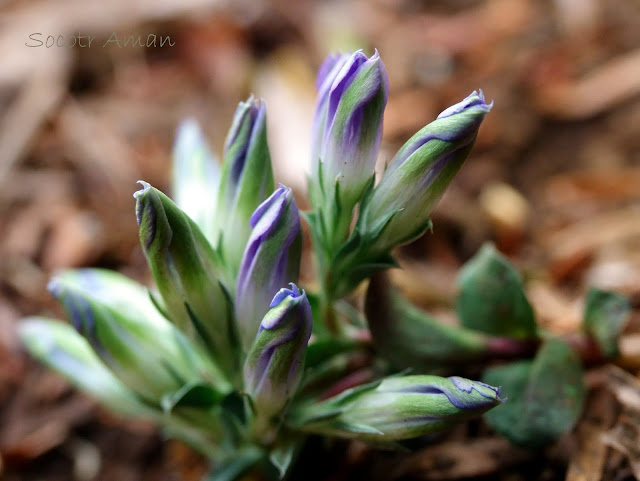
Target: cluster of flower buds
<point x="347" y="129"/>
<point x="221" y="352"/>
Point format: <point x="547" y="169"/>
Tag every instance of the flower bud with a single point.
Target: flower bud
<point x="347" y="131"/>
<point x="275" y="361"/>
<point x="326" y="75"/>
<point x="61" y="348"/>
<point x="186" y="272"/>
<point x="246" y="181"/>
<point x="399" y="207"/>
<point x="398" y="408"/>
<point x="148" y="355"/>
<point x="271" y="260"/>
<point x="195" y="177"/>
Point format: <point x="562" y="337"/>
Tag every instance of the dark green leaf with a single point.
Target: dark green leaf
<point x="492" y="299"/>
<point x="606" y="314"/>
<point x="545" y="396"/>
<point x="320" y="351"/>
<point x="194" y="395"/>
<point x="410" y="338"/>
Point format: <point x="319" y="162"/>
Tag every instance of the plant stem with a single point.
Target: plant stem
<point x="508" y="348"/>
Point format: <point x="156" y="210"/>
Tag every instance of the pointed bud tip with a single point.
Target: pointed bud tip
<point x="475" y="99"/>
<point x="189" y="137"/>
<point x="283" y="293"/>
<point x="139" y="197"/>
<point x="55" y="288"/>
<point x="145" y="187"/>
<point x="332" y="61"/>
<point x="75" y="304"/>
<point x="188" y="127"/>
<point x="253" y="103"/>
<point x="280" y="195"/>
<point x="491" y="393"/>
<point x="146" y="213"/>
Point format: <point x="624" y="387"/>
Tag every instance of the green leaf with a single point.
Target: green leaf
<point x="320" y="351"/>
<point x="325" y="377"/>
<point x="411" y="338"/>
<point x="605" y="316"/>
<point x="237" y="465"/>
<point x="355" y="270"/>
<point x="192" y="395"/>
<point x="545" y="396"/>
<point x="492" y="299"/>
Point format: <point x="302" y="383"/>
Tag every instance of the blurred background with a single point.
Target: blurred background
<point x="554" y="182"/>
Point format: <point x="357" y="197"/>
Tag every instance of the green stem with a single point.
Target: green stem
<point x="328" y="310"/>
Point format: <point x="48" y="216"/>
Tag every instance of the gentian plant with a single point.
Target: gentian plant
<point x="227" y="352"/>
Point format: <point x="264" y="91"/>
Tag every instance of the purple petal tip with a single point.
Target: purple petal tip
<point x="283" y="293"/>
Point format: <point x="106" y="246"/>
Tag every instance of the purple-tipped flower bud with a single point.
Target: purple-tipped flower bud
<point x="246" y="180"/>
<point x="275" y="361"/>
<point x="347" y="131"/>
<point x="60" y="347"/>
<point x="271" y="260"/>
<point x="326" y="75"/>
<point x="399" y="408"/>
<point x="399" y="207"/>
<point x="149" y="355"/>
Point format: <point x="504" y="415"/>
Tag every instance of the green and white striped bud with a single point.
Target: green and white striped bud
<point x="246" y="180"/>
<point x="61" y="348"/>
<point x="398" y="408"/>
<point x="271" y="260"/>
<point x="347" y="129"/>
<point x="149" y="355"/>
<point x="195" y="177"/>
<point x="398" y="209"/>
<point x="186" y="271"/>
